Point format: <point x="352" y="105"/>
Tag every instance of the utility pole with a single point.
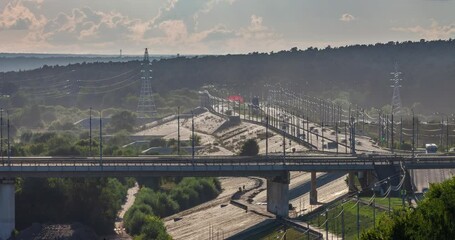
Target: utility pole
<point x="267" y="135"/>
<point x="392" y="147"/>
<point x="353" y="135"/>
<point x="192" y="135"/>
<point x="447" y="134"/>
<point x="379" y="128"/>
<point x="401" y="131"/>
<point x="90" y="133"/>
<point x="413" y="133"/>
<point x="442" y="130"/>
<point x="346" y="137"/>
<point x="358" y="216"/>
<point x="308" y="229"/>
<point x="9" y="141"/>
<point x="101" y="139"/>
<point x="374" y="209"/>
<point x="336" y="135"/>
<point x="390" y="191"/>
<point x="178" y="130"/>
<point x="284" y="137"/>
<point x="322" y="135"/>
<point x="387" y="130"/>
<point x="326" y="223"/>
<point x="1" y="133"/>
<point x="417" y="131"/>
<point x="342" y="222"/>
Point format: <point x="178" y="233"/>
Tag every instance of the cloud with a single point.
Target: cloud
<point x="16" y="16"/>
<point x="347" y="17"/>
<point x="256" y="29"/>
<point x="434" y="31"/>
<point x="173" y="28"/>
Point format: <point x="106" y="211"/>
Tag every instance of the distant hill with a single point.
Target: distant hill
<point x="29" y="61"/>
<point x="359" y="73"/>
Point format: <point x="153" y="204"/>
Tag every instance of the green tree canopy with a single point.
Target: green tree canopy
<point x="250" y="148"/>
<point x="434" y="218"/>
<point x="124" y="120"/>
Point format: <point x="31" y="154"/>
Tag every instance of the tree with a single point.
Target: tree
<point x="434" y="218"/>
<point x="250" y="148"/>
<point x="124" y="120"/>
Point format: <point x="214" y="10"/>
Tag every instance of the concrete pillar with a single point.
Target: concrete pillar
<point x="7" y="208"/>
<point x="313" y="191"/>
<point x="278" y="195"/>
<point x="351" y="182"/>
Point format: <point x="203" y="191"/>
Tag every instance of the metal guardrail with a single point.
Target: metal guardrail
<point x="232" y="161"/>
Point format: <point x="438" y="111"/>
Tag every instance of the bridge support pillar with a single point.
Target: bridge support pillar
<point x="351" y="182"/>
<point x="313" y="190"/>
<point x="7" y="208"/>
<point x="278" y="195"/>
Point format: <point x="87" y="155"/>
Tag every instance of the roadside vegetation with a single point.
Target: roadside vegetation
<point x="91" y="201"/>
<point x="141" y="220"/>
<point x="434" y="218"/>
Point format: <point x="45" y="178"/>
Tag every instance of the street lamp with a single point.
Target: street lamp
<point x="101" y="134"/>
<point x="352" y="135"/>
<point x="442" y="129"/>
<point x="8" y="150"/>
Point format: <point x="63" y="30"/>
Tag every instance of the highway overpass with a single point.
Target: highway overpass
<point x="274" y="168"/>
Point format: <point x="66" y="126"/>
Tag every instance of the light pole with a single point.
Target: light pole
<point x="284" y="135"/>
<point x="8" y="151"/>
<point x="1" y="132"/>
<point x="413" y="133"/>
<point x="178" y="130"/>
<point x="352" y="135"/>
<point x="90" y="133"/>
<point x="101" y="138"/>
<point x="442" y="129"/>
<point x="192" y="135"/>
<point x="101" y="133"/>
<point x="267" y="135"/>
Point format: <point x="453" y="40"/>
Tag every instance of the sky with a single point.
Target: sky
<point x="215" y="26"/>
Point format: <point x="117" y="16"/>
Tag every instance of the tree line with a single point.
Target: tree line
<point x="361" y="72"/>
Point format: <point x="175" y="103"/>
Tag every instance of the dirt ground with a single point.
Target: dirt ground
<point x="217" y="216"/>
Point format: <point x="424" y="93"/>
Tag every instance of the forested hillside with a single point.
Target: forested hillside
<point x="360" y="73"/>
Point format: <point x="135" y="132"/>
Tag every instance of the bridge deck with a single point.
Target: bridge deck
<point x="207" y="166"/>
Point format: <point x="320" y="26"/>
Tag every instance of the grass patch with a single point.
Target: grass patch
<point x="395" y="202"/>
<point x="350" y="219"/>
<point x="278" y="233"/>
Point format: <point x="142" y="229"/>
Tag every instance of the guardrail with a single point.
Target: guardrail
<point x="231" y="161"/>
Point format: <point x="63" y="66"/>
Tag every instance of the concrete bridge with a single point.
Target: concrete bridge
<point x="274" y="168"/>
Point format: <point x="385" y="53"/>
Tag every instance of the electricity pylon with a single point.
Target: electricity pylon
<point x="396" y="99"/>
<point x="146" y="105"/>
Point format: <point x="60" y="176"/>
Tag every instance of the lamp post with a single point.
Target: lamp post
<point x="267" y="135"/>
<point x="178" y="130"/>
<point x="442" y="129"/>
<point x="413" y="133"/>
<point x="284" y="135"/>
<point x="101" y="137"/>
<point x="90" y="133"/>
<point x="8" y="150"/>
<point x="101" y="134"/>
<point x="192" y="135"/>
<point x="1" y="132"/>
<point x="352" y="135"/>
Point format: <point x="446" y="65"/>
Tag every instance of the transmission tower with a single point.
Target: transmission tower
<point x="146" y="105"/>
<point x="396" y="99"/>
